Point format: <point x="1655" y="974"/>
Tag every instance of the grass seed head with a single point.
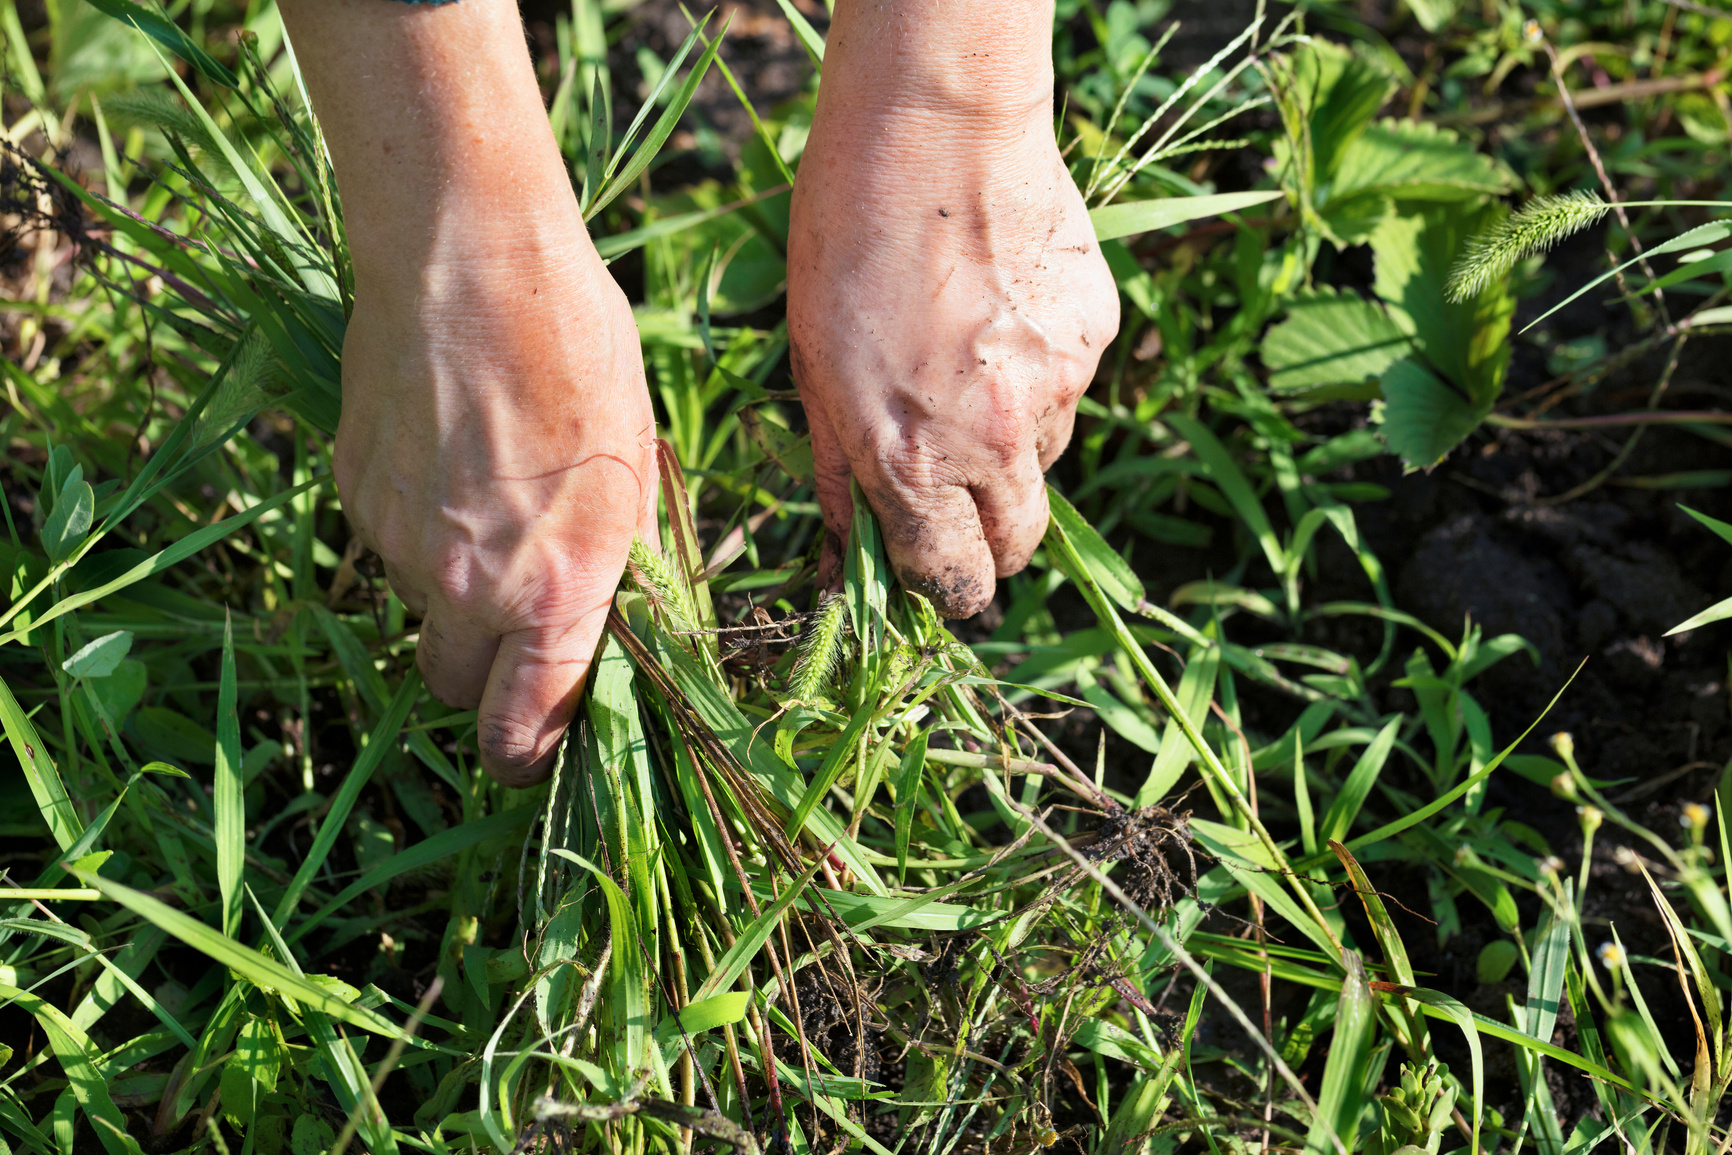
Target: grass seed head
<point x="821" y="648"/>
<point x="1541" y="223"/>
<point x="656" y="577"/>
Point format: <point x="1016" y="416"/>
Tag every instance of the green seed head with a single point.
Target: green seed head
<point x="815" y="661"/>
<point x="1542" y="223"/>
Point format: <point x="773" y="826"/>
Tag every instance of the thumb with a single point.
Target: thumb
<point x="531" y="695"/>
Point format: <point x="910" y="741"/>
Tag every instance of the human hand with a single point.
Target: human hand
<point x="496" y="444"/>
<point x="496" y="449"/>
<point x="947" y="300"/>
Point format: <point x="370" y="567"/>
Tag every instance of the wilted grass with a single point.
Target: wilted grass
<point x="816" y="878"/>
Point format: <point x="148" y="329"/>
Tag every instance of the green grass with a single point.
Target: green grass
<point x="842" y="880"/>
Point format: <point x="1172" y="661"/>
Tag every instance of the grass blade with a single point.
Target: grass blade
<point x="51" y="799"/>
<point x="257" y="968"/>
<point x="73" y="1049"/>
<point x="227" y="797"/>
<point x="1114" y="221"/>
<point x="383" y="735"/>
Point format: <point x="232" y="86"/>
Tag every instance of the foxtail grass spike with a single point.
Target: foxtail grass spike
<point x="1540" y="224"/>
<point x="815" y="661"/>
<point x="655" y="576"/>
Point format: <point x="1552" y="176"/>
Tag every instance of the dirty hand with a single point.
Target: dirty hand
<point x="947" y="301"/>
<point x="496" y="443"/>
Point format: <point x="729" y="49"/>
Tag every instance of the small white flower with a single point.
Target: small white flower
<point x="1611" y="955"/>
<point x="1532" y="32"/>
<point x="1694" y="815"/>
<point x="1549" y="865"/>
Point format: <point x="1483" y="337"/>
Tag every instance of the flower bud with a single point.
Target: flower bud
<point x="1590" y="817"/>
<point x="1561" y="741"/>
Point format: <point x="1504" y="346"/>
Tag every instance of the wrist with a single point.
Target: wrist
<point x="987" y="62"/>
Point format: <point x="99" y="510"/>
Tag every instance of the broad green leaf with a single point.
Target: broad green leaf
<point x="1465" y="342"/>
<point x="74" y="510"/>
<point x="696" y="1017"/>
<point x="1113" y="1041"/>
<point x="1339" y="92"/>
<point x="100" y="658"/>
<point x="1496" y="959"/>
<point x="1433" y="15"/>
<point x="922" y="913"/>
<point x="1331" y="338"/>
<point x="1414" y="160"/>
<point x="1123" y="220"/>
<point x="1423" y="417"/>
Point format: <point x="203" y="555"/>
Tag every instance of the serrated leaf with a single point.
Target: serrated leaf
<point x="1332" y="338"/>
<point x="1433" y="15"/>
<point x="1340" y="91"/>
<point x="1423" y="418"/>
<point x="1413" y="160"/>
<point x="101" y="657"/>
<point x="1352" y="219"/>
<point x="1467" y="342"/>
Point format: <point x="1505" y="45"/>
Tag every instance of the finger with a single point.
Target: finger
<point x="831" y="470"/>
<point x="454" y="655"/>
<point x="1013" y="515"/>
<point x="531" y="695"/>
<point x="933" y="535"/>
